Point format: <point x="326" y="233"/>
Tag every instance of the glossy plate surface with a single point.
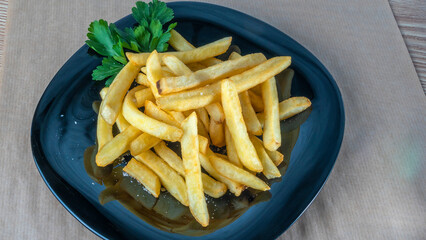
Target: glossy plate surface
<point x="64" y="126"/>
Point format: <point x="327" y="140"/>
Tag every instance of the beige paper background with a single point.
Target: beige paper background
<point x="377" y="188"/>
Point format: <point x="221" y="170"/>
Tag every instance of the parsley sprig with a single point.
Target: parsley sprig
<point x="148" y="35"/>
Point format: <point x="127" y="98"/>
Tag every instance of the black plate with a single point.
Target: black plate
<point x="64" y="126"/>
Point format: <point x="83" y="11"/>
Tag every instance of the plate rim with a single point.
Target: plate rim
<point x="38" y="156"/>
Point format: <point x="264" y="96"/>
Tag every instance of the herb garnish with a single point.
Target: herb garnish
<point x="148" y="35"/>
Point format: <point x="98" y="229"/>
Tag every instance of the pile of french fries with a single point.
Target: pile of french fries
<point x="191" y="97"/>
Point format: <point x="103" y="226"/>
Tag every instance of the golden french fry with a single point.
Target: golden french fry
<point x="103" y="132"/>
<point x="111" y="105"/>
<point x="212" y="187"/>
<point x="203" y="143"/>
<point x="200" y="97"/>
<point x="143" y="143"/>
<point x="103" y="129"/>
<point x="195" y="55"/>
<point x="142" y="96"/>
<point x="272" y="129"/>
<point x="154" y="72"/>
<point x="191" y="163"/>
<point x="202" y="130"/>
<point x="203" y="116"/>
<point x="256" y="101"/>
<point x="210" y="74"/>
<point x="147" y="124"/>
<point x="234" y="119"/>
<point x="249" y="115"/>
<point x="142" y="79"/>
<point x="292" y="106"/>
<point x="144" y="175"/>
<point x="230" y="149"/>
<point x="155" y="112"/>
<point x="196" y="66"/>
<point x="237" y="174"/>
<point x="166" y="71"/>
<point x="234" y="55"/>
<point x="288" y="108"/>
<point x="170" y="157"/>
<point x="178" y="116"/>
<point x="103" y="92"/>
<point x="121" y="122"/>
<point x="116" y="146"/>
<point x="210" y="62"/>
<point x="169" y="178"/>
<point x="270" y="170"/>
<point x="217" y="133"/>
<point x="234" y="187"/>
<point x="275" y="156"/>
<point x="215" y="111"/>
<point x="178" y="42"/>
<point x="203" y="138"/>
<point x="175" y="65"/>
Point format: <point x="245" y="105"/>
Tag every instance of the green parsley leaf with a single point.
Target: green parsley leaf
<point x="109" y="68"/>
<point x="104" y="41"/>
<point x="144" y="13"/>
<point x="110" y="42"/>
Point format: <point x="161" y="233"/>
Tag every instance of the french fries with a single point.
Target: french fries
<point x="288" y="108"/>
<point x="144" y="175"/>
<point x="217" y="133"/>
<point x="147" y="124"/>
<point x="116" y="146"/>
<point x="275" y="156"/>
<point x="272" y="129"/>
<point x="154" y="72"/>
<point x="234" y="119"/>
<point x="179" y="43"/>
<point x="169" y="178"/>
<point x="142" y="96"/>
<point x="230" y="149"/>
<point x="104" y="129"/>
<point x="111" y="105"/>
<point x="143" y="143"/>
<point x="203" y="96"/>
<point x="203" y="116"/>
<point x="215" y="110"/>
<point x="216" y="126"/>
<point x="211" y="187"/>
<point x="249" y="115"/>
<point x="210" y="74"/>
<point x="195" y="55"/>
<point x="256" y="100"/>
<point x="103" y="92"/>
<point x="237" y="174"/>
<point x="191" y="163"/>
<point x="191" y="97"/>
<point x="292" y="106"/>
<point x="234" y="187"/>
<point x="155" y="112"/>
<point x="142" y="79"/>
<point x="178" y="116"/>
<point x="121" y="122"/>
<point x="177" y="67"/>
<point x="270" y="170"/>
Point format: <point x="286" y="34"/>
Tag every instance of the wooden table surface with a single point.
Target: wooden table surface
<point x="409" y="14"/>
